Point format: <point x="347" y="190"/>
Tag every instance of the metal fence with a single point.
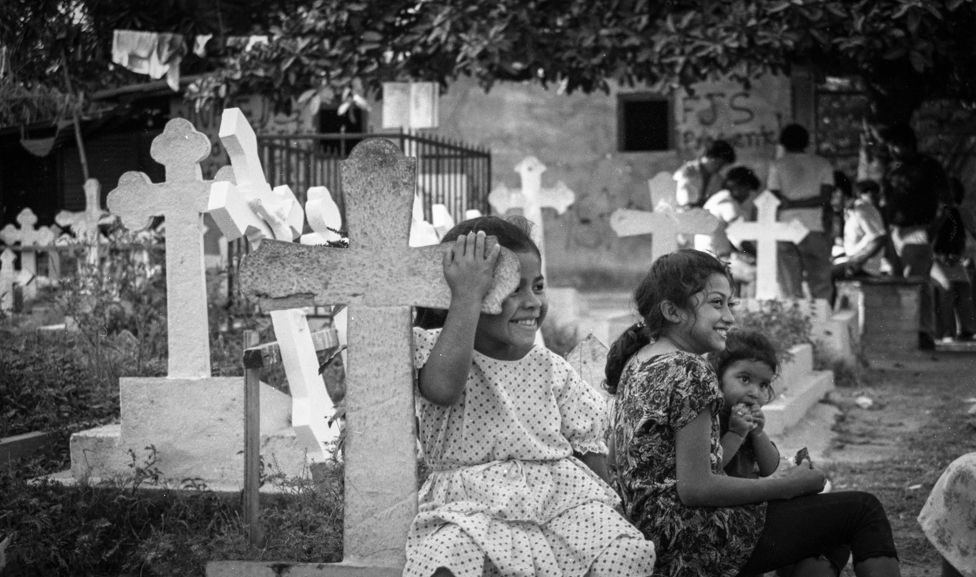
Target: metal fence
<point x="449" y="172"/>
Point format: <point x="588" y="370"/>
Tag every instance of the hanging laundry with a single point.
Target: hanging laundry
<point x="200" y="44"/>
<point x="153" y="53"/>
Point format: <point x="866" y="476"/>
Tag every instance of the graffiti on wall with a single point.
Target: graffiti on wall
<point x="747" y="117"/>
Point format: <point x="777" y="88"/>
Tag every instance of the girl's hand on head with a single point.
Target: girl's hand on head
<point x="469" y="265"/>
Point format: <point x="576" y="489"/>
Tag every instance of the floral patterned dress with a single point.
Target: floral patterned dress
<point x="948" y="518"/>
<point x="655" y="399"/>
<point x="505" y="495"/>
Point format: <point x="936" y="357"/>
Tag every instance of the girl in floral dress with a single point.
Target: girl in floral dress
<point x="667" y="456"/>
<point x="511" y="434"/>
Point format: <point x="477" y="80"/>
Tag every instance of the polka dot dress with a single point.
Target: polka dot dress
<point x="505" y="496"/>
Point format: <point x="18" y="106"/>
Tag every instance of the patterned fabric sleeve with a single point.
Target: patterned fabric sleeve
<point x="583" y="410"/>
<point x="695" y="389"/>
<point x="423" y="344"/>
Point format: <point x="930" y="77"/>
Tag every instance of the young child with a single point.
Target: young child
<point x="745" y="370"/>
<point x="667" y="452"/>
<point x="510" y="433"/>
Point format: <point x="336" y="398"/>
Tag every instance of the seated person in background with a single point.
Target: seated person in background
<point x="864" y="235"/>
<point x="699" y="179"/>
<point x="948" y="518"/>
<point x="733" y="202"/>
<point x="955" y="314"/>
<point x="833" y="216"/>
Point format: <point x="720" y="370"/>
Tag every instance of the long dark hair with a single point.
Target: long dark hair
<point x="674" y="277"/>
<point x="511" y="232"/>
<point x="745" y="345"/>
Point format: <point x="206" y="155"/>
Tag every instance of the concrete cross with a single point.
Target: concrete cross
<point x="30" y="239"/>
<point x="324" y="217"/>
<point x="531" y="198"/>
<point x="251" y="208"/>
<point x="664" y="222"/>
<point x="766" y="231"/>
<point x="181" y="200"/>
<point x="84" y="225"/>
<point x="10" y="277"/>
<point x="422" y="233"/>
<point x="380" y="278"/>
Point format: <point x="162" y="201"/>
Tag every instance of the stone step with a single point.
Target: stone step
<point x="792" y="404"/>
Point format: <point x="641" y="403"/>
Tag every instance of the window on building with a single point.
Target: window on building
<point x="643" y="122"/>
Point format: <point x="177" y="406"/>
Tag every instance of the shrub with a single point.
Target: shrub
<point x="785" y="325"/>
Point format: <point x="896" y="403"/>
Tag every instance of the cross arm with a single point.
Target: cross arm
<point x="283" y="275"/>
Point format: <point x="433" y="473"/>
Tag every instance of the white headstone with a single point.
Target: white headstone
<point x="531" y="198"/>
<point x="258" y="211"/>
<point x="10" y="277"/>
<point x="766" y="232"/>
<point x="84" y="225"/>
<point x="665" y="222"/>
<point x="30" y="239"/>
<point x="181" y="200"/>
<point x="324" y="217"/>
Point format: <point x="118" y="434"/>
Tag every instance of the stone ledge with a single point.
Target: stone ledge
<point x="794" y="402"/>
<point x="272" y="569"/>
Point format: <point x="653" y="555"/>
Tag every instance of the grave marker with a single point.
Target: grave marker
<point x="252" y="208"/>
<point x="181" y="200"/>
<point x="531" y="198"/>
<point x="766" y="231"/>
<point x="10" y="277"/>
<point x="84" y="225"/>
<point x="664" y="222"/>
<point x="30" y="240"/>
<point x="380" y="278"/>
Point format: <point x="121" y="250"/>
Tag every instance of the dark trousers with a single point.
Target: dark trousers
<point x="825" y="525"/>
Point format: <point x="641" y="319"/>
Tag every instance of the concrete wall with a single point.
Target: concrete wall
<point x="575" y="136"/>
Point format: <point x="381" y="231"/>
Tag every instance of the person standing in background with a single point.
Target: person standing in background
<point x="804" y="183"/>
<point x="912" y="188"/>
<point x="699" y="179"/>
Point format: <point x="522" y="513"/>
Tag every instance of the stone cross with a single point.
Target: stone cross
<point x="531" y="198"/>
<point x="30" y="239"/>
<point x="380" y="278"/>
<point x="181" y="200"/>
<point x="84" y="225"/>
<point x="422" y="233"/>
<point x="664" y="222"/>
<point x="766" y="231"/>
<point x="441" y="219"/>
<point x="251" y="208"/>
<point x="10" y="277"/>
<point x="324" y="217"/>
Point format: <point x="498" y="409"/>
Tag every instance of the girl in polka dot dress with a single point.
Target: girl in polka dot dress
<point x="510" y="433"/>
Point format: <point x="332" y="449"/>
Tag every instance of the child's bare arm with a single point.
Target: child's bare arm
<point x="767" y="455"/>
<point x="597" y="462"/>
<point x="468" y="268"/>
<point x="739" y="427"/>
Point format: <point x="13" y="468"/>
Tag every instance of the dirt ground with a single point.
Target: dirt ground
<point x="917" y="423"/>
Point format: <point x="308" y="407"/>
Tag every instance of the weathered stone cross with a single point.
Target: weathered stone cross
<point x="30" y="239"/>
<point x="766" y="231"/>
<point x="664" y="222"/>
<point x="181" y="200"/>
<point x="380" y="277"/>
<point x="84" y="224"/>
<point x="250" y="207"/>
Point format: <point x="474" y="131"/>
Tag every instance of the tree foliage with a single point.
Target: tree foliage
<point x="904" y="50"/>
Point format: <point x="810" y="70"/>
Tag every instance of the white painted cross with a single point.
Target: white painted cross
<point x="84" y="225"/>
<point x="664" y="222"/>
<point x="323" y="215"/>
<point x="381" y="278"/>
<point x="531" y="198"/>
<point x="10" y="277"/>
<point x="30" y="239"/>
<point x="181" y="200"/>
<point x="250" y="207"/>
<point x="766" y="231"/>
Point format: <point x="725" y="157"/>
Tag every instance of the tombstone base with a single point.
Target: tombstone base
<point x="197" y="429"/>
<point x="888" y="314"/>
<point x="798" y="388"/>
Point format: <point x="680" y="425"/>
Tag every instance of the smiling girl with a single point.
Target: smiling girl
<point x="667" y="454"/>
<point x="511" y="434"/>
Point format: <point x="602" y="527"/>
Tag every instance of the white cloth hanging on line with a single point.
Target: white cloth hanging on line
<point x="153" y="53"/>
